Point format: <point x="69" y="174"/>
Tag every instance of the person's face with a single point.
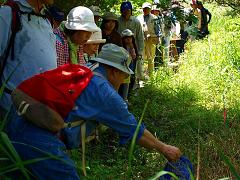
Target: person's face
<point x="146" y="11"/>
<point x="91" y="49"/>
<point x="81" y="37"/>
<point x="126" y="14"/>
<point x="110" y="25"/>
<point x="116" y="77"/>
<point x="128" y="40"/>
<point x="96" y="18"/>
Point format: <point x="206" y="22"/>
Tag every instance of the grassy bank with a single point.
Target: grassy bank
<point x="196" y="109"/>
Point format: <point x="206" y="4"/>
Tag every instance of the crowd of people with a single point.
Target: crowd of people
<point x="116" y="46"/>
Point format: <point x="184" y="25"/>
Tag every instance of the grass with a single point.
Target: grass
<point x="186" y="109"/>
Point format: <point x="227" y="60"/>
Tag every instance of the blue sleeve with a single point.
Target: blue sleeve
<point x="5" y="21"/>
<point x="101" y="103"/>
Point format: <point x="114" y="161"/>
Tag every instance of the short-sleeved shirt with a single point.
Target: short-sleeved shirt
<point x="34" y="47"/>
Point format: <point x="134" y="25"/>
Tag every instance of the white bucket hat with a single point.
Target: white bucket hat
<point x="96" y="38"/>
<point x="115" y="56"/>
<point x="81" y="18"/>
<point x="127" y="32"/>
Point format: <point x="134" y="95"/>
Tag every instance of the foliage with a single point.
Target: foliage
<point x="234" y="4"/>
<point x="186" y="109"/>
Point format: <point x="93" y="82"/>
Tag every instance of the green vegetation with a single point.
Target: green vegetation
<point x="196" y="108"/>
<point x="186" y="109"/>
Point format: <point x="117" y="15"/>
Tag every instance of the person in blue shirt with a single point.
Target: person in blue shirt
<point x="98" y="103"/>
<point x="33" y="49"/>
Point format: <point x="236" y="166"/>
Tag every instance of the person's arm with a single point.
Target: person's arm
<point x="139" y="38"/>
<point x="148" y="141"/>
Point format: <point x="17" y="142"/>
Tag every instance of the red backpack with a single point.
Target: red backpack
<point x="47" y="98"/>
<point x="50" y="94"/>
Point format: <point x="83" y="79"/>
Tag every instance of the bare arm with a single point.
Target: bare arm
<point x="148" y="141"/>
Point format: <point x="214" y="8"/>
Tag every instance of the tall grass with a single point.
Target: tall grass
<point x="196" y="108"/>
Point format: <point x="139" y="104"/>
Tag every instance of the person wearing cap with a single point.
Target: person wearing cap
<point x="97" y="13"/>
<point x="91" y="47"/>
<point x="31" y="51"/>
<point x="74" y="33"/>
<point x="128" y="21"/>
<point x="129" y="44"/>
<point x="109" y="28"/>
<point x="98" y="103"/>
<point x="152" y="34"/>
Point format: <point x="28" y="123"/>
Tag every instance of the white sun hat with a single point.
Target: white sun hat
<point x="127" y="32"/>
<point x="96" y="38"/>
<point x="81" y="18"/>
<point x="115" y="56"/>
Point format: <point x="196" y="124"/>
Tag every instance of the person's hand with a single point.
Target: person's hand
<point x="172" y="153"/>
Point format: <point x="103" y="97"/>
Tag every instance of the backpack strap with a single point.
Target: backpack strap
<point x="15" y="27"/>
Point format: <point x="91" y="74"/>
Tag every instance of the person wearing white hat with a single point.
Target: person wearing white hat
<point x="129" y="44"/>
<point x="73" y="34"/>
<point x="91" y="47"/>
<point x="152" y="34"/>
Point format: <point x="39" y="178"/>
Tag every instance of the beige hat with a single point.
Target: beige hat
<point x="81" y="18"/>
<point x="115" y="56"/>
<point x="96" y="10"/>
<point x="96" y="38"/>
<point x="146" y="5"/>
<point x="110" y="16"/>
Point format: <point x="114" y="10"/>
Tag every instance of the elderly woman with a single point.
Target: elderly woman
<point x="73" y="34"/>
